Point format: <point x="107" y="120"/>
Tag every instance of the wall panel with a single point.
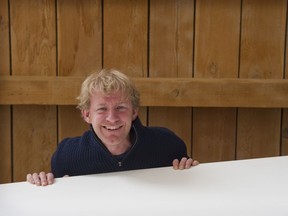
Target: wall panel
<point x="125" y="36"/>
<point x="284" y="141"/>
<point x="125" y="33"/>
<point x="79" y="53"/>
<point x="206" y="39"/>
<point x="284" y="129"/>
<point x="171" y="46"/>
<point x="33" y="43"/>
<point x="258" y="133"/>
<point x="262" y="50"/>
<point x="4" y="34"/>
<point x="216" y="56"/>
<point x="5" y="111"/>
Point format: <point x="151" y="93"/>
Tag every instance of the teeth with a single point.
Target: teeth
<point x="112" y="128"/>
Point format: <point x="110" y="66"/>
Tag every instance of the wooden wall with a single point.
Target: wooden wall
<point x="205" y="39"/>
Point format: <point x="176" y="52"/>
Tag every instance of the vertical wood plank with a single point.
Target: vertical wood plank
<point x="254" y="139"/>
<point x="33" y="40"/>
<point x="79" y="37"/>
<point x="125" y="33"/>
<point x="213" y="139"/>
<point x="125" y="36"/>
<point x="171" y="55"/>
<point x="263" y="39"/>
<point x="171" y="38"/>
<point x="216" y="56"/>
<point x="262" y="49"/>
<point x="217" y="38"/>
<point x="5" y="145"/>
<point x="284" y="132"/>
<point x="79" y="53"/>
<point x="284" y="149"/>
<point x="5" y="123"/>
<point x="4" y="36"/>
<point x="34" y="139"/>
<point x="33" y="53"/>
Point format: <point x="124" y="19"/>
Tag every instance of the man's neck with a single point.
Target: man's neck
<point x="119" y="149"/>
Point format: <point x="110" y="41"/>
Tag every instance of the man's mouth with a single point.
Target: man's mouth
<point x="112" y="128"/>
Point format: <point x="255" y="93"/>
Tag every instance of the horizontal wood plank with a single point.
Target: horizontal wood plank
<point x="171" y="92"/>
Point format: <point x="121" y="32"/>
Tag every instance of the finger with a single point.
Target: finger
<point x="36" y="179"/>
<point x="182" y="163"/>
<point x="50" y="178"/>
<point x="175" y="164"/>
<point x="195" y="163"/>
<point x="43" y="178"/>
<point x="29" y="178"/>
<point x="188" y="163"/>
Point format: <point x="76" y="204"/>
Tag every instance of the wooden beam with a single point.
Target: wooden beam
<point x="172" y="92"/>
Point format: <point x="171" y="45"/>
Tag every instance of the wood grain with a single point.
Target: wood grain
<point x="171" y="29"/>
<point x="33" y="42"/>
<point x="125" y="39"/>
<point x="213" y="71"/>
<point x="5" y="111"/>
<point x="79" y="37"/>
<point x="125" y="33"/>
<point x="216" y="56"/>
<point x="4" y="36"/>
<point x="284" y="129"/>
<point x="79" y="53"/>
<point x="258" y="133"/>
<point x="284" y="133"/>
<point x="262" y="49"/>
<point x="174" y="92"/>
<point x="5" y="145"/>
<point x="34" y="139"/>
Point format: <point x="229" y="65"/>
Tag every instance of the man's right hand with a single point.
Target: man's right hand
<point x="41" y="179"/>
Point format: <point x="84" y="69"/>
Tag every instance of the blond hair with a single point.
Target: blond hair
<point x="107" y="81"/>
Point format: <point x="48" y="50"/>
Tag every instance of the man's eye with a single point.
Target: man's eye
<point x="101" y="109"/>
<point x="120" y="108"/>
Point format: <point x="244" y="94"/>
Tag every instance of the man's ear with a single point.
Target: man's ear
<point x="86" y="116"/>
<point x="134" y="113"/>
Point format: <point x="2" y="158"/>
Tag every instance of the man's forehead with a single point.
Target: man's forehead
<point x="118" y="97"/>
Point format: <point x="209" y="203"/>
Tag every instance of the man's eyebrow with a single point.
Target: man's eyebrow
<point x="100" y="105"/>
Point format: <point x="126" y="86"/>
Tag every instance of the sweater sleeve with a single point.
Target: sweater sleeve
<point x="168" y="143"/>
<point x="57" y="160"/>
<point x="178" y="145"/>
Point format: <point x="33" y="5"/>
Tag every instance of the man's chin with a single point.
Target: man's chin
<point x="111" y="141"/>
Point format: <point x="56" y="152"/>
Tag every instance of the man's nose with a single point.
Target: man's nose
<point x="112" y="116"/>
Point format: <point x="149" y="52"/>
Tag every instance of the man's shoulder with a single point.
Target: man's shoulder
<point x="165" y="142"/>
<point x="160" y="131"/>
<point x="162" y="135"/>
<point x="75" y="141"/>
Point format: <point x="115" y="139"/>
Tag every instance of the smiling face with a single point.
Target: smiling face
<point x="111" y="117"/>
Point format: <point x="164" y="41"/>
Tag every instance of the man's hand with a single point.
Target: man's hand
<point x="185" y="163"/>
<point x="41" y="179"/>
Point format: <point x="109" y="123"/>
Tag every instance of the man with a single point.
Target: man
<point x="116" y="141"/>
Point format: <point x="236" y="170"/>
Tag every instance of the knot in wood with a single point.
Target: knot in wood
<point x="213" y="68"/>
<point x="175" y="93"/>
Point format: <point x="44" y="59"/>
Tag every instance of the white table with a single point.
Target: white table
<point x="243" y="187"/>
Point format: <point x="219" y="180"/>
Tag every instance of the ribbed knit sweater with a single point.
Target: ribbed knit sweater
<point x="152" y="147"/>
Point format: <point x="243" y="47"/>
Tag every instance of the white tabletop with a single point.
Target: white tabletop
<point x="243" y="187"/>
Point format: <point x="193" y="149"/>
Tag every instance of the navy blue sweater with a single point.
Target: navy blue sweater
<point x="152" y="147"/>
